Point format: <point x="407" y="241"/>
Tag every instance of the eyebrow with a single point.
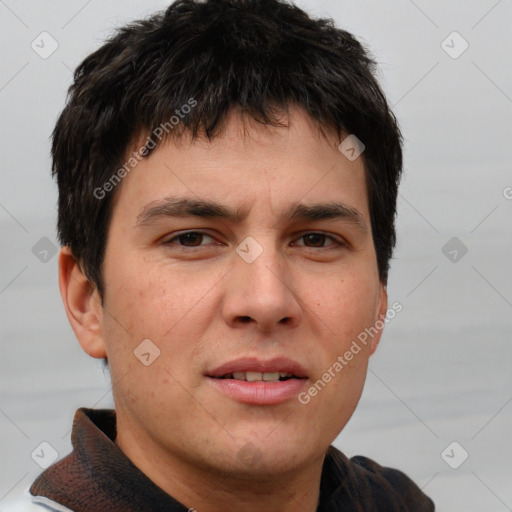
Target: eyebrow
<point x="172" y="207"/>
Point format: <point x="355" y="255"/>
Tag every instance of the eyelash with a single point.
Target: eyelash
<point x="170" y="240"/>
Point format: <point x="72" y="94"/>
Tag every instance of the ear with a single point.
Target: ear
<point x="382" y="310"/>
<point x="82" y="304"/>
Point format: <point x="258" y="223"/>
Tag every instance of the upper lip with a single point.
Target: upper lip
<point x="253" y="364"/>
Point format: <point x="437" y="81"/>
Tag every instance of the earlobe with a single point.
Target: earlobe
<point x="381" y="315"/>
<point x="82" y="304"/>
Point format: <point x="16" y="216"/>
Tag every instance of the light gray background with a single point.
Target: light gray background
<point x="442" y="371"/>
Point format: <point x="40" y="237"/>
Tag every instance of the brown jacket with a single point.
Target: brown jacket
<point x="97" y="476"/>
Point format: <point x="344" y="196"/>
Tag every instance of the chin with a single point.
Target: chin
<point x="252" y="464"/>
<point x="265" y="455"/>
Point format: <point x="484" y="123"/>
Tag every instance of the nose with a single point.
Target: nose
<point x="260" y="293"/>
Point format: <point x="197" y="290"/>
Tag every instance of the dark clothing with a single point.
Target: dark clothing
<point x="97" y="476"/>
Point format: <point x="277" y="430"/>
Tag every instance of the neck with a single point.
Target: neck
<point x="210" y="489"/>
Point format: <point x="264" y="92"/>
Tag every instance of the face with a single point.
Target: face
<point x="261" y="283"/>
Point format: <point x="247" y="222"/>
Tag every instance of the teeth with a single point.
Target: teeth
<point x="256" y="376"/>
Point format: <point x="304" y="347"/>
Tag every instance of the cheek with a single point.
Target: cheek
<point x="147" y="297"/>
<point x="347" y="305"/>
<point x="149" y="306"/>
<point x="160" y="304"/>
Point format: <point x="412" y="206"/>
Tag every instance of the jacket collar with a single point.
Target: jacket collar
<point x="97" y="475"/>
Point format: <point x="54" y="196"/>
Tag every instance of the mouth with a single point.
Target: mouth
<point x="259" y="376"/>
<point x="257" y="382"/>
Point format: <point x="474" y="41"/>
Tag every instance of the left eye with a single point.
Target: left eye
<point x="318" y="238"/>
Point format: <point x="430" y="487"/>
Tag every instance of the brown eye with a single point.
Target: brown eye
<point x="188" y="239"/>
<point x="191" y="239"/>
<point x="317" y="240"/>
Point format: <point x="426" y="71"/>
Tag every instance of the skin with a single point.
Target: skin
<point x="202" y="305"/>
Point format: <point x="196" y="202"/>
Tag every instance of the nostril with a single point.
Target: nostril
<point x="245" y="319"/>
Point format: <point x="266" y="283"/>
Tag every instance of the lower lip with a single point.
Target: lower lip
<point x="260" y="392"/>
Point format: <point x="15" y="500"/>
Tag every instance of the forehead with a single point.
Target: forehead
<point x="245" y="163"/>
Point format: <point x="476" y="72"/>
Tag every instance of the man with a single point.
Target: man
<point x="227" y="175"/>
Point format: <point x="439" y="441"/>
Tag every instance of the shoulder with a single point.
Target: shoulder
<point x="359" y="483"/>
<point x="392" y="485"/>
